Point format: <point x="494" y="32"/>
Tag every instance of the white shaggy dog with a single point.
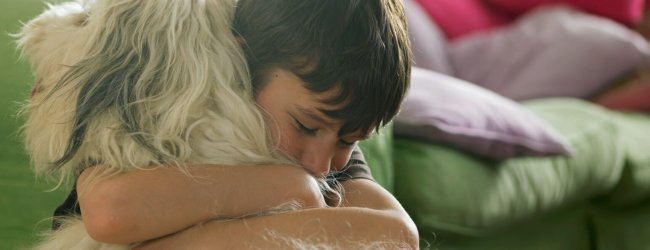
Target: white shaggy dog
<point x="131" y="83"/>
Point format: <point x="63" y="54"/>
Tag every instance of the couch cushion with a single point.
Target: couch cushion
<point x="444" y="109"/>
<point x="428" y="43"/>
<point x="621" y="228"/>
<point x="447" y="190"/>
<point x="461" y="17"/>
<point x="634" y="185"/>
<point x="562" y="230"/>
<point x="550" y="52"/>
<point x="378" y="152"/>
<point x="634" y="96"/>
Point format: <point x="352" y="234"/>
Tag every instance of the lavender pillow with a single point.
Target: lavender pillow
<point x="551" y="52"/>
<point x="444" y="109"/>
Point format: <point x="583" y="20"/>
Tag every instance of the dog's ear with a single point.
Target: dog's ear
<point x="47" y="41"/>
<point x="56" y="23"/>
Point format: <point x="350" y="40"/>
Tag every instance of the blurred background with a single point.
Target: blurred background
<point x="24" y="200"/>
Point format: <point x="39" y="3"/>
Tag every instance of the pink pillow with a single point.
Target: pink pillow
<point x="460" y="17"/>
<point x="443" y="109"/>
<point x="628" y="12"/>
<point x="635" y="97"/>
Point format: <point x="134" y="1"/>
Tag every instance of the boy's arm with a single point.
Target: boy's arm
<point x="360" y="189"/>
<point x="371" y="216"/>
<point x="368" y="194"/>
<point x="337" y="228"/>
<point x="127" y="208"/>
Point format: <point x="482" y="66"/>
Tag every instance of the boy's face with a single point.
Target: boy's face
<point x="302" y="132"/>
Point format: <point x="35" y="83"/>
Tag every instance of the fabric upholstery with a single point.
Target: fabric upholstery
<point x="635" y="97"/>
<point x="428" y="43"/>
<point x="447" y="110"/>
<point x="634" y="185"/>
<point x="621" y="228"/>
<point x="551" y="52"/>
<point x="451" y="191"/>
<point x="625" y="11"/>
<point x="563" y="229"/>
<point x="475" y="16"/>
<point x="378" y="151"/>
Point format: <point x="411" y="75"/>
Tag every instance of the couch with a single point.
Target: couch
<point x="595" y="197"/>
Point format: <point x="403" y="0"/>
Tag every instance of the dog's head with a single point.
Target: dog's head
<point x="131" y="83"/>
<point x="48" y="43"/>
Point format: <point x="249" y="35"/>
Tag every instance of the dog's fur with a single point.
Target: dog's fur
<point x="135" y="84"/>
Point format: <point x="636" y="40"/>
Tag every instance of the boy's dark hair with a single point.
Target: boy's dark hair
<point x="358" y="46"/>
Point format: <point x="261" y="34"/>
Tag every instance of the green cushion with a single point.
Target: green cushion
<point x="622" y="228"/>
<point x="623" y="222"/>
<point x="446" y="190"/>
<point x="634" y="185"/>
<point x="378" y="151"/>
<point x="565" y="229"/>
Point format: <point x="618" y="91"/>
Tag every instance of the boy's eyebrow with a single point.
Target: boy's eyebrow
<point x="364" y="136"/>
<point x="318" y="116"/>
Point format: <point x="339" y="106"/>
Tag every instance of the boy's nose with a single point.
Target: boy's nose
<point x="317" y="162"/>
